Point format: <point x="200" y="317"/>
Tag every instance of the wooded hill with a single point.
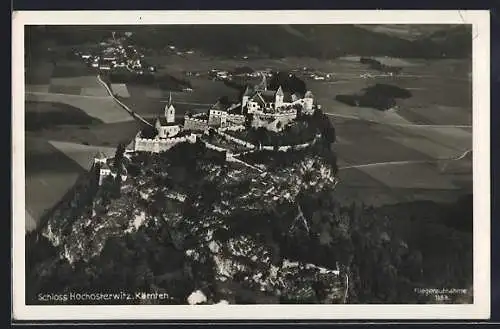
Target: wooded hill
<point x="321" y="41"/>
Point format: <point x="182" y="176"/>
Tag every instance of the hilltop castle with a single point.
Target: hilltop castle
<point x="260" y="100"/>
<point x="276" y="106"/>
<point x="169" y="133"/>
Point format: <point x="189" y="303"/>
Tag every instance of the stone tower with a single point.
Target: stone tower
<point x="262" y="86"/>
<point x="308" y="101"/>
<point x="170" y="110"/>
<point x="246" y="97"/>
<point x="278" y="97"/>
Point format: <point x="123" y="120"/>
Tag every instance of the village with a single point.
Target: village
<point x="115" y="54"/>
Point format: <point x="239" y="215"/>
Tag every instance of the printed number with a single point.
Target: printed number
<point x="442" y="298"/>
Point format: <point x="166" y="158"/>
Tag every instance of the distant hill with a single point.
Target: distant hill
<point x="406" y="31"/>
<point x="456" y="41"/>
<point x="321" y="41"/>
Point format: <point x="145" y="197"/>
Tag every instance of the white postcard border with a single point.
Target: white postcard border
<point x="481" y="168"/>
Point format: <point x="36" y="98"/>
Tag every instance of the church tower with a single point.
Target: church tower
<point x="170" y="110"/>
<point x="278" y="97"/>
<point x="262" y="86"/>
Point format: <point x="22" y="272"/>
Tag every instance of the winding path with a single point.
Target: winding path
<point x="377" y="164"/>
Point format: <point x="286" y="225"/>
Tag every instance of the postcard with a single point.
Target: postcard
<point x="251" y="165"/>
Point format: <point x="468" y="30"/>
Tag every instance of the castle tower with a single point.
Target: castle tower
<point x="308" y="101"/>
<point x="170" y="110"/>
<point x="262" y="86"/>
<point x="278" y="97"/>
<point x="246" y="97"/>
<point x="99" y="157"/>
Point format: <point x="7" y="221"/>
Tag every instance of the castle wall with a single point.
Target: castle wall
<point x="235" y="139"/>
<point x="195" y="124"/>
<point x="214" y="120"/>
<point x="160" y="145"/>
<point x="215" y="147"/>
<point x="237" y="119"/>
<point x="285" y="148"/>
<point x="283" y="116"/>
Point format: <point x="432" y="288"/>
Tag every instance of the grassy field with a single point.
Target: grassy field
<point x="100" y="134"/>
<point x="46" y="115"/>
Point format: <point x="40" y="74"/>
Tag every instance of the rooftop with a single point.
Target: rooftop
<point x="164" y="123"/>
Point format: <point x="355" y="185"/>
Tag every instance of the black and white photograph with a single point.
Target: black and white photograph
<point x="265" y="163"/>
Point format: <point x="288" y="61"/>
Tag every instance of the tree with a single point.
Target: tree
<point x="248" y="120"/>
<point x="118" y="159"/>
<point x="261" y="135"/>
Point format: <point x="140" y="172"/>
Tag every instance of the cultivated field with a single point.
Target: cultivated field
<point x="82" y="154"/>
<point x="69" y="116"/>
<point x="49" y="175"/>
<point x="103" y="108"/>
<point x="120" y="89"/>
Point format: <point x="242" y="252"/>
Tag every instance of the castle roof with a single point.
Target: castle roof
<point x="105" y="166"/>
<point x="248" y="91"/>
<point x="279" y="92"/>
<point x="263" y="84"/>
<point x="269" y="96"/>
<point x="236" y="110"/>
<point x="218" y="106"/>
<point x="263" y="97"/>
<point x="131" y="145"/>
<point x="287" y="96"/>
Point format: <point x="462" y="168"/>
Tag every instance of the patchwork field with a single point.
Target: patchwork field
<point x="120" y="89"/>
<point x="52" y="168"/>
<point x="49" y="175"/>
<point x="69" y="117"/>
